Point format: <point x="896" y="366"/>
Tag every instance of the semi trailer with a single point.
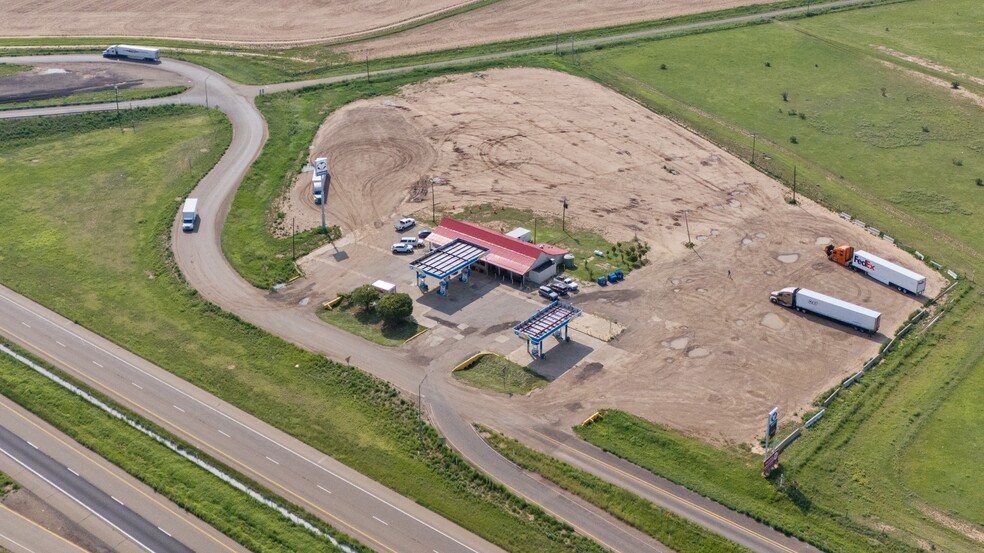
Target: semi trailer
<point x="886" y="272"/>
<point x="132" y="52"/>
<point x="808" y="301"/>
<point x="188" y="213"/>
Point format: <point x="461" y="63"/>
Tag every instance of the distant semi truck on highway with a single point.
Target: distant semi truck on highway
<point x="883" y="271"/>
<point x="801" y="299"/>
<point x="188" y="213"/>
<point x="132" y="52"/>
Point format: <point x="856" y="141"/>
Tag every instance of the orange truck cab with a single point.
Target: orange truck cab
<point x="840" y="254"/>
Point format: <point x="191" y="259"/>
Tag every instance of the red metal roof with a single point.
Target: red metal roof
<point x="504" y="251"/>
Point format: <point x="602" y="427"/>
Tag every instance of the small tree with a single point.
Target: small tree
<point x="363" y="296"/>
<point x="785" y="96"/>
<point x="394" y="308"/>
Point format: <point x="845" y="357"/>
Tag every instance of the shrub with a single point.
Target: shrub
<point x="955" y="85"/>
<point x="768" y="64"/>
<point x="394" y="308"/>
<point x="364" y="296"/>
<point x="793" y="140"/>
<point x="802" y="116"/>
<point x="785" y="96"/>
<point x="958" y="162"/>
<point x="662" y="66"/>
<point x="980" y="181"/>
<point x="925" y="128"/>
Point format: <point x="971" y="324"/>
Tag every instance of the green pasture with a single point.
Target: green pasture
<point x="98" y="253"/>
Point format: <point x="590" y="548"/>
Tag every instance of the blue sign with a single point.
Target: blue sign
<point x="773" y="422"/>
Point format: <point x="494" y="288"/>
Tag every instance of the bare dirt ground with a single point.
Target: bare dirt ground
<point x="280" y="22"/>
<point x="55" y="81"/>
<point x="260" y="21"/>
<point x="703" y="350"/>
<point x="512" y="19"/>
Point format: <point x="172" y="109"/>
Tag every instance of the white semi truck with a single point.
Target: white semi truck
<point x="321" y="179"/>
<point x="318" y="185"/>
<point x="188" y="213"/>
<point x="132" y="52"/>
<point x="803" y="300"/>
<point x="885" y="272"/>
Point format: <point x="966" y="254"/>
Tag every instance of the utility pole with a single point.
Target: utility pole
<point x="433" y="204"/>
<point x="557" y="44"/>
<point x="293" y="232"/>
<point x="119" y="117"/>
<point x="686" y="221"/>
<point x="563" y="220"/>
<point x="534" y="230"/>
<point x="420" y="416"/>
<point x="753" y="148"/>
<point x="367" y="68"/>
<point x="794" y="185"/>
<point x="206" y="91"/>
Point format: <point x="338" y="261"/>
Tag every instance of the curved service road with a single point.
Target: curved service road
<point x="347" y="500"/>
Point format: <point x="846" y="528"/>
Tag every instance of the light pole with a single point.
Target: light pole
<point x="563" y="220"/>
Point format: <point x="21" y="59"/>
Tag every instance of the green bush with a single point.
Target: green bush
<point x="394" y="308"/>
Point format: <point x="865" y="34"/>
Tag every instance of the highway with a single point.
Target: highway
<point x="111" y="506"/>
<point x="349" y="501"/>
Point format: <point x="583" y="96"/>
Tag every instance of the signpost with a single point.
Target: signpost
<point x="321" y="168"/>
<point x="771" y="457"/>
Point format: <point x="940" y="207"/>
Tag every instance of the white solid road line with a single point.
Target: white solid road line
<point x="243" y="425"/>
<point x="25" y="548"/>
<point x="117" y="500"/>
<point x="73" y="498"/>
<point x="165" y="532"/>
<point x="32" y="445"/>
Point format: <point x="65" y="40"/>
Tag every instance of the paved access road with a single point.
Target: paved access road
<point x="256" y="448"/>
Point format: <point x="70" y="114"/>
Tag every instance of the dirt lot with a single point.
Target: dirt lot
<point x="55" y="81"/>
<point x="704" y="350"/>
<point x="511" y="19"/>
<point x="257" y="21"/>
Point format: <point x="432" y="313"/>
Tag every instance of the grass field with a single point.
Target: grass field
<point x="897" y="453"/>
<point x="369" y="325"/>
<point x="255" y="526"/>
<point x="319" y="60"/>
<point x="499" y="374"/>
<point x="55" y="253"/>
<point x="100" y="97"/>
<point x="12" y="69"/>
<point x="672" y="531"/>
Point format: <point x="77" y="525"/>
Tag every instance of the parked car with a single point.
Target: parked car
<point x="401" y="247"/>
<point x="411" y="241"/>
<point x="424" y="233"/>
<point x="405" y="223"/>
<point x="546" y="292"/>
<point x="560" y="288"/>
<point x="570" y="282"/>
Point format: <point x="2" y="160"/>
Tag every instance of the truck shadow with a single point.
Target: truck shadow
<point x="875" y="337"/>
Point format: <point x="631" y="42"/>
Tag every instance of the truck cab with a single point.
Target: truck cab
<point x="785" y="297"/>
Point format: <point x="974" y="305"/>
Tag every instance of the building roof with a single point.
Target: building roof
<point x="449" y="258"/>
<point x="546" y="321"/>
<point x="504" y="251"/>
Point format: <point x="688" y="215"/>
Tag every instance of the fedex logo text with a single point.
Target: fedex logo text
<point x="858" y="260"/>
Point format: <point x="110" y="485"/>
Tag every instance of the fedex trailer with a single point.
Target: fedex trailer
<point x="883" y="271"/>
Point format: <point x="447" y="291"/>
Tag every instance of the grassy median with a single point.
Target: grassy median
<point x="125" y="191"/>
<point x="100" y="97"/>
<point x="255" y="526"/>
<point x="499" y="374"/>
<point x="677" y="533"/>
